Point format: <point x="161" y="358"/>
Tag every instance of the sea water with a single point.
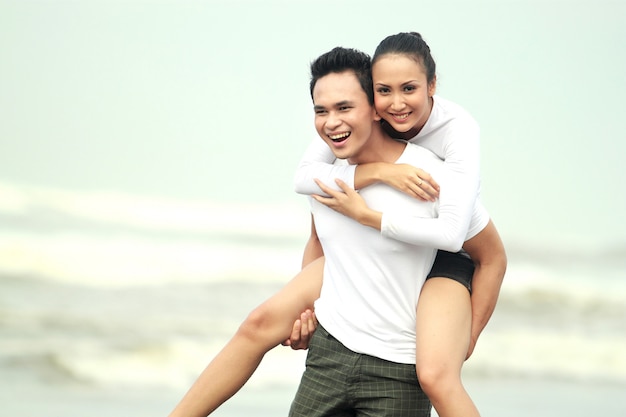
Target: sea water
<point x="113" y="303"/>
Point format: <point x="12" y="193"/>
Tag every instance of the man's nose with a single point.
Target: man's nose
<point x="333" y="120"/>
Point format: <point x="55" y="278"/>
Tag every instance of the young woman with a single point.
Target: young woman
<point x="271" y="323"/>
<point x="403" y="73"/>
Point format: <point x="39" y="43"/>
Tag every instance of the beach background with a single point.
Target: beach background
<point x="147" y="151"/>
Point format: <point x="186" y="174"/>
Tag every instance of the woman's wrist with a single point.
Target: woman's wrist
<point x="368" y="174"/>
<point x="371" y="218"/>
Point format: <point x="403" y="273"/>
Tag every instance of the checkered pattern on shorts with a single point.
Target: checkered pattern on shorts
<point x="338" y="382"/>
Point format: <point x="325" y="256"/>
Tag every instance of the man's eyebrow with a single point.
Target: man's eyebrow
<point x="342" y="103"/>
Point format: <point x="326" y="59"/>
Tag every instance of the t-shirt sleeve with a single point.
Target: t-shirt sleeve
<point x="457" y="198"/>
<point x="480" y="219"/>
<point x="319" y="162"/>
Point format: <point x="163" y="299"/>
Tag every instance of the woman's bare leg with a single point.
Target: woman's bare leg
<point x="443" y="324"/>
<point x="266" y="326"/>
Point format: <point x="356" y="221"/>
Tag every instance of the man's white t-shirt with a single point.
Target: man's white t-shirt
<point x="372" y="282"/>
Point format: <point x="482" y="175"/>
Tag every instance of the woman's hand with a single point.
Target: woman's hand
<point x="410" y="180"/>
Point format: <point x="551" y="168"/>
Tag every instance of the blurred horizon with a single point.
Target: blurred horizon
<point x="209" y="101"/>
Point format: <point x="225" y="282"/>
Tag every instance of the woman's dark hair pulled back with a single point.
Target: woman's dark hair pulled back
<point x="410" y="44"/>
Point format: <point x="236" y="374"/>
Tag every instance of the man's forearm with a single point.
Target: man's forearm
<point x="486" y="285"/>
<point x="489" y="256"/>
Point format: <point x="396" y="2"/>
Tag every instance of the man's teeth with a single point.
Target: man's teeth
<point x="339" y="136"/>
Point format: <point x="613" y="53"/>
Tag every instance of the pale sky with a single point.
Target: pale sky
<point x="209" y="100"/>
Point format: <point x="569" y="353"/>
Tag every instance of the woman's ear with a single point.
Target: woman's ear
<point x="432" y="87"/>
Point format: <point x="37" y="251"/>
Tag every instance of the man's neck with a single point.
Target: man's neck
<point x="380" y="148"/>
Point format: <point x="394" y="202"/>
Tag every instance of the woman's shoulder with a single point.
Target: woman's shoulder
<point x="447" y="110"/>
<point x="452" y="122"/>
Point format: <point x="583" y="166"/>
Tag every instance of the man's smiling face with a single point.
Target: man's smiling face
<point x="343" y="115"/>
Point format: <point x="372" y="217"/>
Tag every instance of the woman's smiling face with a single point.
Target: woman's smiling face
<point x="402" y="94"/>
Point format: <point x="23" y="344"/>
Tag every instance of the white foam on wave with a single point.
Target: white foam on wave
<point x="134" y="255"/>
<point x="517" y="353"/>
<point x="113" y="239"/>
<point x="133" y="260"/>
<point x="159" y="213"/>
<point x="552" y="353"/>
<point x="176" y="364"/>
<point x="582" y="285"/>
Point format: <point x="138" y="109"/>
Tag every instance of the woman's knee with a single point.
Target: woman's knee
<point x="437" y="378"/>
<point x="258" y="325"/>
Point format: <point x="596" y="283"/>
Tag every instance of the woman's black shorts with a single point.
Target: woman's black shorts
<point x="454" y="265"/>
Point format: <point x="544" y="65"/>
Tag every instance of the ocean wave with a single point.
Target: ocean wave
<point x="127" y="290"/>
<point x="174" y="364"/>
<point x="125" y="260"/>
<point x="584" y="287"/>
<point x="47" y="210"/>
<point x="58" y="209"/>
<point x="166" y="336"/>
<point x="176" y="361"/>
<point x="111" y="239"/>
<point x="550" y="353"/>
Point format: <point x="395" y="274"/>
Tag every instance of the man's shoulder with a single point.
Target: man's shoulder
<point x="423" y="158"/>
<point x="419" y="155"/>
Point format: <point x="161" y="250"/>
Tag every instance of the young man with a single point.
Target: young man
<point x="362" y="356"/>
